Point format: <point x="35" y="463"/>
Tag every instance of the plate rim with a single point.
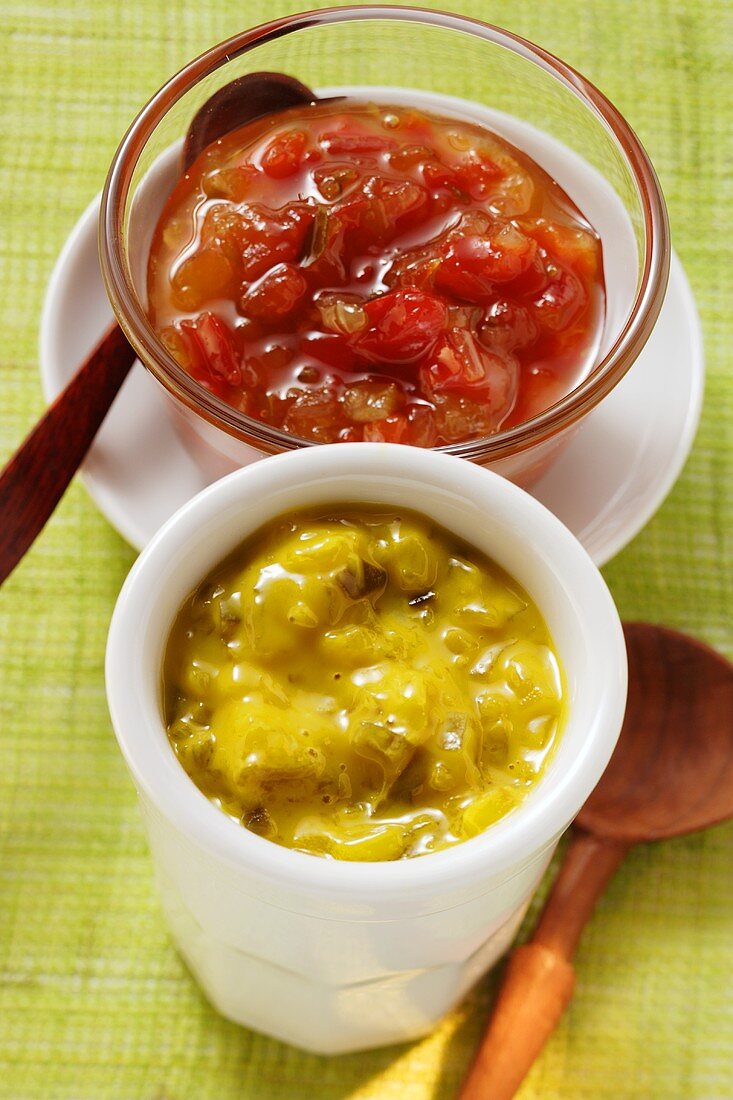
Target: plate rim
<point x="118" y="516"/>
<point x="686" y="437"/>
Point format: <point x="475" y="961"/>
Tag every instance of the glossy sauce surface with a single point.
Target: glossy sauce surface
<point x="359" y="684"/>
<point x="351" y="271"/>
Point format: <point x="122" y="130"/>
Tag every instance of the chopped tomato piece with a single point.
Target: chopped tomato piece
<point x="415" y="270"/>
<point x="561" y="302"/>
<point x="258" y="237"/>
<point x="374" y="214"/>
<point x="534" y="280"/>
<point x="284" y="155"/>
<point x="477" y="175"/>
<point x="341" y="142"/>
<point x="473" y="263"/>
<point x="342" y="313"/>
<point x="571" y="245"/>
<point x="403" y="325"/>
<point x="501" y="257"/>
<point x="461" y="364"/>
<point x="211" y="348"/>
<point x="330" y="349"/>
<point x="508" y="325"/>
<point x="465" y="316"/>
<point x="437" y="175"/>
<point x="276" y="294"/>
<point x="393" y="205"/>
<point x="512" y="194"/>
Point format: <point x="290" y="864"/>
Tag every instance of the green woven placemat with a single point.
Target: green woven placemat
<point x="94" y="1002"/>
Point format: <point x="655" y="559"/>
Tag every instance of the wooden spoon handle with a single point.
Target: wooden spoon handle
<point x="539" y="978"/>
<point x="35" y="478"/>
<point x="535" y="991"/>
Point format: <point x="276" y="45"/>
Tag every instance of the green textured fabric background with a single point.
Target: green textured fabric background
<point x="94" y="1001"/>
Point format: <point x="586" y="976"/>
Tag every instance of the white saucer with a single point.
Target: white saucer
<point x="607" y="484"/>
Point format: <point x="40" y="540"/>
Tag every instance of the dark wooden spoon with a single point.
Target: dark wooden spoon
<point x="671" y="774"/>
<point x="251" y="96"/>
<point x="36" y="477"/>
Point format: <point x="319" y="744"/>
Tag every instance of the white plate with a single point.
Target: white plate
<point x="606" y="485"/>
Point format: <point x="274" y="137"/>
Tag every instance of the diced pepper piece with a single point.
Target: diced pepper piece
<point x="486" y="809"/>
<point x="379" y="843"/>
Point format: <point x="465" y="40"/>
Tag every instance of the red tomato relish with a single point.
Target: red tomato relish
<point x="348" y="271"/>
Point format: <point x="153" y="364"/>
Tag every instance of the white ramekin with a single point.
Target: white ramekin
<point x="337" y="956"/>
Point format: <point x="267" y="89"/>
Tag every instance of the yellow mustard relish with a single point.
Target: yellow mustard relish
<point x="358" y="683"/>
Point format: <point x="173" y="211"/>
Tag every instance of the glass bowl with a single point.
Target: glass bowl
<point x="463" y="67"/>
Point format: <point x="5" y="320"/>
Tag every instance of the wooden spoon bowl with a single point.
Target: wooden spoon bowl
<point x="243" y="100"/>
<point x="671" y="774"/>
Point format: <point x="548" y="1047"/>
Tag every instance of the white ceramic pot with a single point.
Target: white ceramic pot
<point x="335" y="956"/>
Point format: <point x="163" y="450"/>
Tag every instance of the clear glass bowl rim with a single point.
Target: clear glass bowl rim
<point x="576" y="404"/>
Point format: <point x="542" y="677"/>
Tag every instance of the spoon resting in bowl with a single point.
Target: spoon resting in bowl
<point x="671" y="774"/>
<point x="37" y="475"/>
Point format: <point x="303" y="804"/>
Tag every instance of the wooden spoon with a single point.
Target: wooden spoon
<point x="240" y="101"/>
<point x="34" y="480"/>
<point x="671" y="774"/>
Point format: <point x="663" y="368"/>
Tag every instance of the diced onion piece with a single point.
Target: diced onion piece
<point x="366" y="402"/>
<point x="341" y="315"/>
